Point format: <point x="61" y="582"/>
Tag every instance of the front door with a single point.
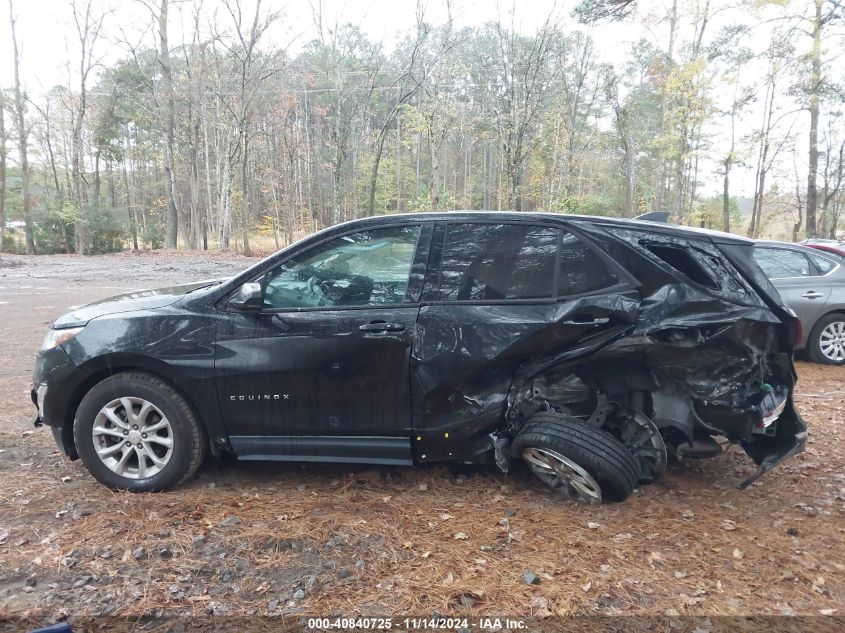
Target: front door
<point x="321" y="372"/>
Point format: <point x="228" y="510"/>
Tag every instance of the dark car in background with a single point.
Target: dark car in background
<point x="811" y="282"/>
<point x="588" y="347"/>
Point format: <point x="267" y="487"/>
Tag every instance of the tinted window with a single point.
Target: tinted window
<point x="823" y="264"/>
<point x="366" y="268"/>
<point x="497" y="261"/>
<point x="581" y="270"/>
<point x="779" y="263"/>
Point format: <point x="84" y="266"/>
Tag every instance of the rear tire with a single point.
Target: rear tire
<point x="135" y="432"/>
<point x="826" y="343"/>
<point x="576" y="460"/>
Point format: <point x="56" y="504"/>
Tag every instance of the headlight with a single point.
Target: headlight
<point x="55" y="338"/>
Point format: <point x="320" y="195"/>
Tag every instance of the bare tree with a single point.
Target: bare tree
<point x="523" y="76"/>
<point x="833" y="175"/>
<point x="825" y="13"/>
<point x="407" y="84"/>
<point x="88" y="26"/>
<point x="23" y="138"/>
<point x="348" y="65"/>
<point x="166" y="110"/>
<point x="2" y="171"/>
<point x="252" y="68"/>
<point x="167" y="115"/>
<point x="769" y="147"/>
<point x="741" y="98"/>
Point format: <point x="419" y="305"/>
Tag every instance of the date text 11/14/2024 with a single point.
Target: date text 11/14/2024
<point x="416" y="623"/>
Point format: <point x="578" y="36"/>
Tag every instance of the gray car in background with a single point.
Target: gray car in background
<point x="812" y="283"/>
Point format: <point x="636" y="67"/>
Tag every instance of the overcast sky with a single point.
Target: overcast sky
<point x="47" y="37"/>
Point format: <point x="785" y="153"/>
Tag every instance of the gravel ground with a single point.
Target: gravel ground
<point x="273" y="539"/>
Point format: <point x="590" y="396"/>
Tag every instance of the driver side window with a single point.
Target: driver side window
<point x="360" y="269"/>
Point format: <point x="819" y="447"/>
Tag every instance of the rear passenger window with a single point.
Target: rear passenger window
<point x="781" y="263"/>
<point x="823" y="264"/>
<point x="498" y="261"/>
<point x="581" y="270"/>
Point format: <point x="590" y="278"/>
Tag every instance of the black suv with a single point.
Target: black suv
<point x="590" y="347"/>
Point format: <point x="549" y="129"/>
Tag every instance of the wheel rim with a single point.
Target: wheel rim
<point x="642" y="437"/>
<point x="832" y="341"/>
<point x="562" y="475"/>
<point x="133" y="438"/>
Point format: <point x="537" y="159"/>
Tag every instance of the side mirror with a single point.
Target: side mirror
<point x="249" y="296"/>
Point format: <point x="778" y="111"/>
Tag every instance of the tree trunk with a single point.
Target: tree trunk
<point x="434" y="179"/>
<point x="130" y="210"/>
<point x="168" y="124"/>
<point x="97" y="183"/>
<point x="225" y="204"/>
<point x="815" y="93"/>
<point x="23" y="135"/>
<point x="245" y="206"/>
<point x="726" y="195"/>
<point x="209" y="209"/>
<point x="196" y="215"/>
<point x="2" y="173"/>
<point x="630" y="166"/>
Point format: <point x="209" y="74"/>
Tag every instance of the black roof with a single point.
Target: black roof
<point x="510" y="216"/>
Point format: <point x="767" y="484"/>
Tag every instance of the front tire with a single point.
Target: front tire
<point x="135" y="432"/>
<point x="826" y="343"/>
<point x="576" y="460"/>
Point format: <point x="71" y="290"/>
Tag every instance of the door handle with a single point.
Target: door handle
<point x="812" y="294"/>
<point x="381" y="326"/>
<point x="600" y="321"/>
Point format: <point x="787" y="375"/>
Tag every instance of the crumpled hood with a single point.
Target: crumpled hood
<point x="129" y="302"/>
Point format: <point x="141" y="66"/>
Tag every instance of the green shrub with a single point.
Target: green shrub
<point x="105" y="233"/>
<point x="53" y="234"/>
<point x="153" y="235"/>
<point x="10" y="244"/>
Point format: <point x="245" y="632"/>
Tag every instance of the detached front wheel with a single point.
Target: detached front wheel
<point x="575" y="460"/>
<point x="135" y="432"/>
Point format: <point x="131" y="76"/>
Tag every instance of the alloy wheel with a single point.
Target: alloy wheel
<point x="832" y="341"/>
<point x="642" y="437"/>
<point x="133" y="438"/>
<point x="562" y="475"/>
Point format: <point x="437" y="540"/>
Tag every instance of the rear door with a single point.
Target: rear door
<point x="801" y="284"/>
<point x="497" y="294"/>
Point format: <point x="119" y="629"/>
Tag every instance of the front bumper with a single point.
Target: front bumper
<point x="54" y="382"/>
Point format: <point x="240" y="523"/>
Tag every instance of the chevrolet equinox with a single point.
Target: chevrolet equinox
<point x="591" y="348"/>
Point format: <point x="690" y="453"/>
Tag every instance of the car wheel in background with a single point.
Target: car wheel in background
<point x="135" y="432"/>
<point x="576" y="460"/>
<point x="826" y="343"/>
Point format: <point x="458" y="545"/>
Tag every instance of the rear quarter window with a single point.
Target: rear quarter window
<point x="694" y="259"/>
<point x="823" y="264"/>
<point x="682" y="260"/>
